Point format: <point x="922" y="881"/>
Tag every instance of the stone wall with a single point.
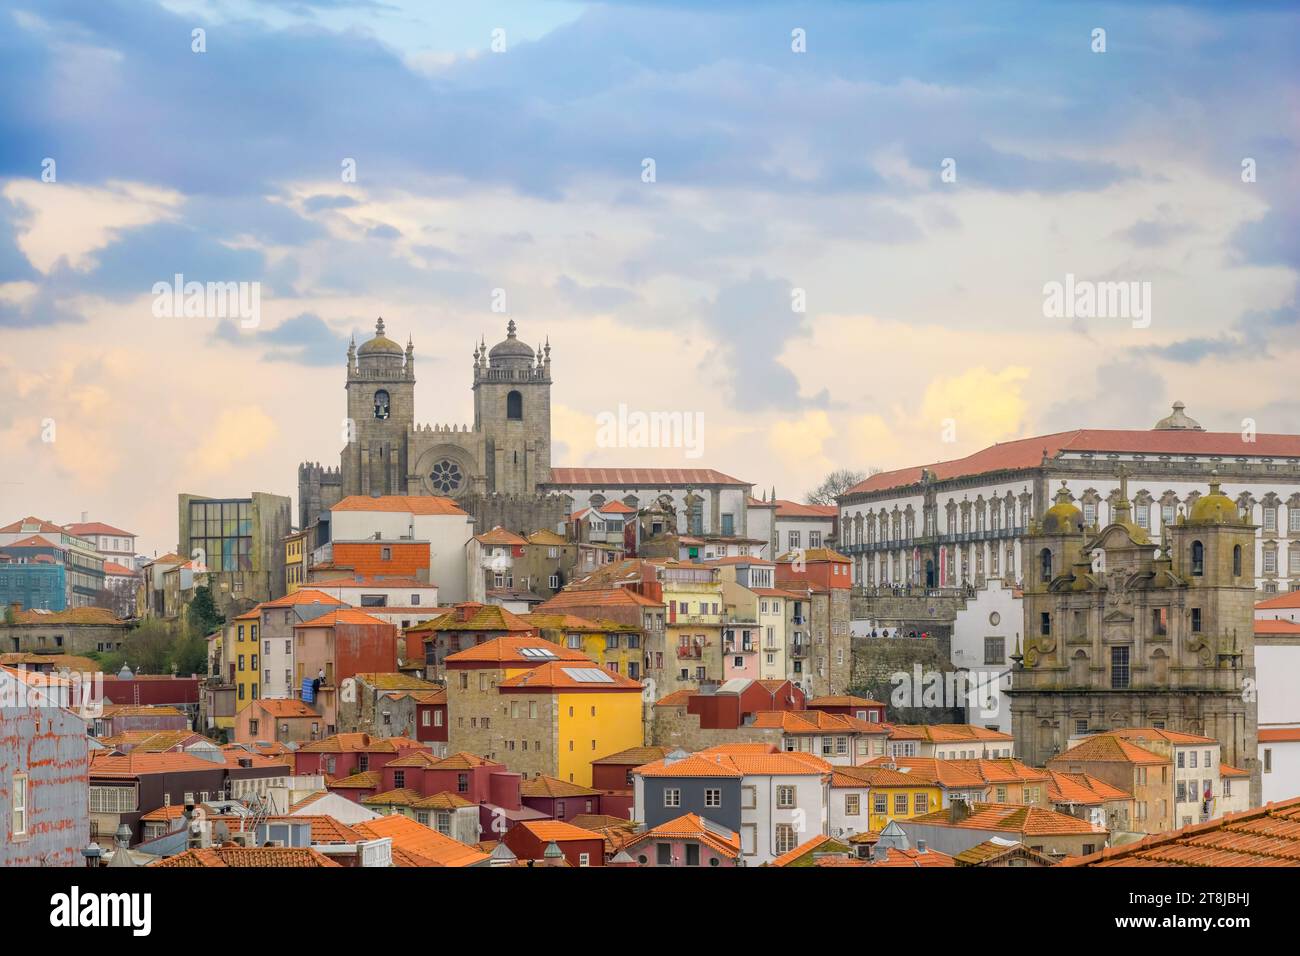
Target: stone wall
<point x="876" y="660"/>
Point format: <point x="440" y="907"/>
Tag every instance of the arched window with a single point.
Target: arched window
<point x="1236" y="561"/>
<point x="1198" y="559"/>
<point x="515" y="407"/>
<point x="381" y="405"/>
<point x="1045" y="560"/>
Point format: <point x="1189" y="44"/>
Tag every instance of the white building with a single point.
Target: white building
<point x="401" y="602"/>
<point x="1279" y="755"/>
<point x="439" y="521"/>
<point x="113" y="543"/>
<point x="959" y="522"/>
<point x="984" y="635"/>
<point x="718" y="504"/>
<point x="803" y="526"/>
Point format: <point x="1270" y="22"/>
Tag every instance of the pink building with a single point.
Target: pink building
<point x="688" y="840"/>
<point x="339" y="644"/>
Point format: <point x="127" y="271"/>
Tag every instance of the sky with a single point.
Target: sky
<point x="826" y="228"/>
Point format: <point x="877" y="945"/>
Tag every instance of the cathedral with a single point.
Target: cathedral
<point x="494" y="468"/>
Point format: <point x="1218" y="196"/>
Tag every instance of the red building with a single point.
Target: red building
<point x="559" y="799"/>
<point x="529" y="840"/>
<point x="345" y="754"/>
<point x="401" y="559"/>
<point x="820" y="568"/>
<point x="727" y="707"/>
<point x="337" y="645"/>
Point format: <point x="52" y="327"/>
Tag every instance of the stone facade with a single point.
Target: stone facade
<point x="493" y="468"/>
<point x="1120" y="633"/>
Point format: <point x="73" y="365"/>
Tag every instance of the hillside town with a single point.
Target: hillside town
<point x="1071" y="650"/>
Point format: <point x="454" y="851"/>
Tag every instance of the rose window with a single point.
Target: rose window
<point x="446" y="476"/>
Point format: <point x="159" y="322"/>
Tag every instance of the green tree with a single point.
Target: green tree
<point x="148" y="648"/>
<point x="202" y="615"/>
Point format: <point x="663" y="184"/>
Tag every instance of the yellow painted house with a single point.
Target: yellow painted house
<point x="295" y="561"/>
<point x="614" y="646"/>
<point x="244" y="651"/>
<point x="889" y="794"/>
<point x="597" y="713"/>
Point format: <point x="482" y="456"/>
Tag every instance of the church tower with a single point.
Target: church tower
<point x="381" y="410"/>
<point x="512" y="410"/>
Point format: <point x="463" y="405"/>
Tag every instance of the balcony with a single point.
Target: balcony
<point x="798" y="650"/>
<point x="690" y="652"/>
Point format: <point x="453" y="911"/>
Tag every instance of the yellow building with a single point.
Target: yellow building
<point x="696" y="613"/>
<point x="295" y="561"/>
<point x="244" y="651"/>
<point x="593" y="712"/>
<point x="890" y="794"/>
<point x="616" y="647"/>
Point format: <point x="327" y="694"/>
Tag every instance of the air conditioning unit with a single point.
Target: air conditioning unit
<point x="279" y="843"/>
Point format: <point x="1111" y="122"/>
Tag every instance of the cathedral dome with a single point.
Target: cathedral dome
<point x="510" y="351"/>
<point x="1215" y="508"/>
<point x="1178" y="421"/>
<point x="380" y="344"/>
<point x="1064" y="517"/>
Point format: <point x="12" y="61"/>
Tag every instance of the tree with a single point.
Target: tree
<point x="835" y="484"/>
<point x="202" y="615"/>
<point x="148" y="648"/>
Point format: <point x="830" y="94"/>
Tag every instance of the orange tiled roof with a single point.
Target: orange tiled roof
<point x="31" y="523"/>
<point x="1226" y="770"/>
<point x="721" y="763"/>
<point x="134" y="764"/>
<point x="81" y="529"/>
<point x="413" y="504"/>
<point x="544" y="787"/>
<point x="568" y="675"/>
<point x="415" y="758"/>
<point x="678" y="698"/>
<point x="346" y="615"/>
<point x="843" y="700"/>
<point x="869" y="776"/>
<point x="597" y="597"/>
<point x="509" y="651"/>
<point x="284" y="707"/>
<point x="639" y="477"/>
<point x="1109" y="748"/>
<point x="1286" y="599"/>
<point x="1277" y="627"/>
<point x="802" y="850"/>
<point x="35" y="541"/>
<point x="463" y="760"/>
<point x="365" y="780"/>
<point x="1264" y="836"/>
<point x="1139" y="734"/>
<point x="690" y="826"/>
<point x="984" y="853"/>
<point x="945" y="773"/>
<point x="946" y="733"/>
<point x="815" y="722"/>
<point x="73" y="615"/>
<point x="1029" y="452"/>
<point x="571" y="622"/>
<point x="303" y="596"/>
<point x="401" y="797"/>
<point x="238" y="856"/>
<point x="442" y="801"/>
<point x="1279" y="735"/>
<point x="558" y="831"/>
<point x="355" y="742"/>
<point x="1010" y="818"/>
<point x="471" y="616"/>
<point x="912" y="857"/>
<point x="326" y="829"/>
<point x="1002" y="770"/>
<point x="795" y="509"/>
<point x="636" y="756"/>
<point x="397" y="681"/>
<point x="1082" y="788"/>
<point x="500" y="537"/>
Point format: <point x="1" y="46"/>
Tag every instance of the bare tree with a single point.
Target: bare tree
<point x="836" y="483"/>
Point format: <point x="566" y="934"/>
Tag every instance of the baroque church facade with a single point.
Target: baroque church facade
<point x="1124" y="631"/>
<point x="494" y="469"/>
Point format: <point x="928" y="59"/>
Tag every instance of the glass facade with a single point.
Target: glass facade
<point x="224" y="532"/>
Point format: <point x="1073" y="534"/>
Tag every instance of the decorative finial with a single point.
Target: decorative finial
<point x="1214" y="481"/>
<point x="379" y="326"/>
<point x="510" y="329"/>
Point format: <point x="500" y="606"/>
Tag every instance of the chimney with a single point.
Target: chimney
<point x="84" y="515"/>
<point x="959" y="810"/>
<point x="920" y="846"/>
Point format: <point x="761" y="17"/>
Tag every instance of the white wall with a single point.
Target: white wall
<point x="970" y="627"/>
<point x="1283" y="782"/>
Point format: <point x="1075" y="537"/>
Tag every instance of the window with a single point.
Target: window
<point x="1119" y="668"/>
<point x="1045" y="623"/>
<point x="1236" y="553"/>
<point x="922" y="801"/>
<point x="879" y="803"/>
<point x="514" y="406"/>
<point x="1196" y="620"/>
<point x="713" y="797"/>
<point x="663" y="854"/>
<point x="19" y="822"/>
<point x="1198" y="559"/>
<point x="1045" y="564"/>
<point x="462" y="783"/>
<point x="783" y="839"/>
<point x="900" y="804"/>
<point x="995" y="650"/>
<point x="672" y="797"/>
<point x="399" y="779"/>
<point x="1159" y="621"/>
<point x="785" y="798"/>
<point x="584" y="859"/>
<point x="692" y="854"/>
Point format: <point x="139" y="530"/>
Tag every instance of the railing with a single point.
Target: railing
<point x="693" y="653"/>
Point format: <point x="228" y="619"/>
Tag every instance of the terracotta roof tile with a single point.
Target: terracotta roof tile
<point x="571" y="675"/>
<point x="639" y="477"/>
<point x="690" y="826"/>
<point x="416" y="838"/>
<point x="1012" y="818"/>
<point x="236" y="856"/>
<point x="413" y="504"/>
<point x="544" y="787"/>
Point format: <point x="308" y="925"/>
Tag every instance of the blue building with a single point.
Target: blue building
<point x="38" y="582"/>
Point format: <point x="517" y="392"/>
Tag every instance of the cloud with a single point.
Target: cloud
<point x="237" y="435"/>
<point x="305" y="339"/>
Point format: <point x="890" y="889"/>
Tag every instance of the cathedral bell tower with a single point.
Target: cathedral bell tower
<point x="381" y="410"/>
<point x="512" y="410"/>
